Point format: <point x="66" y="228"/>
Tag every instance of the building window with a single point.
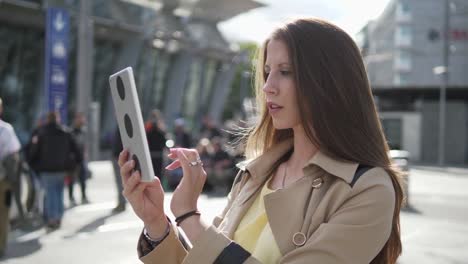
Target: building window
<point x="392" y="128"/>
<point x="403" y="36"/>
<point x="403" y="7"/>
<point x="21" y="85"/>
<point x="400" y="79"/>
<point x="403" y="13"/>
<point x="402" y="61"/>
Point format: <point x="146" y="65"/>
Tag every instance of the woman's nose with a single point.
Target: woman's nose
<point x="270" y="87"/>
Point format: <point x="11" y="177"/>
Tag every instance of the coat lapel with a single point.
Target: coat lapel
<point x="286" y="211"/>
<point x="289" y="210"/>
<point x="255" y="175"/>
<point x="239" y="207"/>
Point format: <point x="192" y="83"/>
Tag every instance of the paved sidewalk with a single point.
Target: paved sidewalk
<point x="433" y="232"/>
<point x="446" y="169"/>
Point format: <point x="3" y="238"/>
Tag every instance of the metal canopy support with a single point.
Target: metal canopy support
<point x="178" y="76"/>
<point x="444" y="84"/>
<point x="221" y="90"/>
<point x="129" y="54"/>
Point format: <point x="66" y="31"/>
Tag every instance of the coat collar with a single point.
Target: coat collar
<point x="259" y="167"/>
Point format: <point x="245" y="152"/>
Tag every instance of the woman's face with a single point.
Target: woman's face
<point x="279" y="88"/>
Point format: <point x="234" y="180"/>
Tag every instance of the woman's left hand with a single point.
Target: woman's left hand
<point x="185" y="196"/>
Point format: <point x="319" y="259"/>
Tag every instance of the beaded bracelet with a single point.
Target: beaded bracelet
<point x="155" y="242"/>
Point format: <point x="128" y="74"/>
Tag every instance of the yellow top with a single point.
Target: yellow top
<point x="254" y="233"/>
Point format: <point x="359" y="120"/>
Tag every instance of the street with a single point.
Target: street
<point x="433" y="229"/>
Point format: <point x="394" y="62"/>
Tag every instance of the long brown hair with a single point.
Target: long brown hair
<point x="335" y="103"/>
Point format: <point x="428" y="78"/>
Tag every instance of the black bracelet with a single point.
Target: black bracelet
<point x="185" y="216"/>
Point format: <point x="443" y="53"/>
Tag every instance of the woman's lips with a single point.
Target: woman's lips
<point x="273" y="108"/>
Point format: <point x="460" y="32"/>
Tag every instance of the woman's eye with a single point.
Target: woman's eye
<point x="285" y="72"/>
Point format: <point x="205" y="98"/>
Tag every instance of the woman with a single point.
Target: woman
<point x="318" y="185"/>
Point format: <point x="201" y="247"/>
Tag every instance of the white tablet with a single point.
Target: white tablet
<point x="130" y="120"/>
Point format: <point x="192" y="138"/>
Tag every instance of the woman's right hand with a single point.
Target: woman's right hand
<point x="146" y="198"/>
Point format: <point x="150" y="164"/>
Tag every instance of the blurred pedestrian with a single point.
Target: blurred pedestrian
<point x="318" y="185"/>
<point x="209" y="129"/>
<point x="38" y="204"/>
<point x="117" y="147"/>
<point x="81" y="171"/>
<point x="205" y="150"/>
<point x="222" y="168"/>
<point x="156" y="142"/>
<point x="9" y="164"/>
<point x="55" y="152"/>
<point x="39" y="123"/>
<point x="182" y="138"/>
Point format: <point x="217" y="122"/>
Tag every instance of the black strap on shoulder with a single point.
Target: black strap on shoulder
<point x="232" y="254"/>
<point x="359" y="172"/>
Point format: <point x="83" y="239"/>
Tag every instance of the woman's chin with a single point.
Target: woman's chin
<point x="280" y="125"/>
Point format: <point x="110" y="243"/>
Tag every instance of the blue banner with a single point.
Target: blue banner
<point x="56" y="61"/>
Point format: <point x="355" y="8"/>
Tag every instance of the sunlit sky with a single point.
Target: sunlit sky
<point x="255" y="25"/>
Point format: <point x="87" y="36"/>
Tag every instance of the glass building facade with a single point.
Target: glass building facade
<point x="171" y="55"/>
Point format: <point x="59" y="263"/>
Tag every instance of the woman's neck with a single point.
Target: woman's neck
<point x="304" y="149"/>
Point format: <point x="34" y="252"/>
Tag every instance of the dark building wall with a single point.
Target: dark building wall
<point x="456" y="137"/>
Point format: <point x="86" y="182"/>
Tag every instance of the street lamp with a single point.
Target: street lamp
<point x="444" y="72"/>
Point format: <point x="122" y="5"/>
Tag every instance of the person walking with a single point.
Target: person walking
<point x="80" y="172"/>
<point x="117" y="147"/>
<point x="9" y="164"/>
<point x="182" y="138"/>
<point x="55" y="152"/>
<point x="156" y="142"/>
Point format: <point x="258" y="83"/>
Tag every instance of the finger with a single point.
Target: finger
<point x="173" y="151"/>
<point x="191" y="154"/>
<point x="132" y="183"/>
<point x="184" y="161"/>
<point x="126" y="169"/>
<point x="187" y="177"/>
<point x="172" y="156"/>
<point x="123" y="157"/>
<point x="137" y="192"/>
<point x="174" y="165"/>
<point x="154" y="189"/>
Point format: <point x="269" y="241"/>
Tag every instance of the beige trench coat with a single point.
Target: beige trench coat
<point x="346" y="219"/>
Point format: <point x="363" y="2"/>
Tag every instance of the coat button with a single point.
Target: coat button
<point x="317" y="183"/>
<point x="299" y="239"/>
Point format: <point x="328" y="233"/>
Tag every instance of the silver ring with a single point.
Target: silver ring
<point x="195" y="163"/>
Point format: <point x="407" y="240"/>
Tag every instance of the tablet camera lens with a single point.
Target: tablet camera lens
<point x="137" y="163"/>
<point x="120" y="88"/>
<point x="128" y="126"/>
